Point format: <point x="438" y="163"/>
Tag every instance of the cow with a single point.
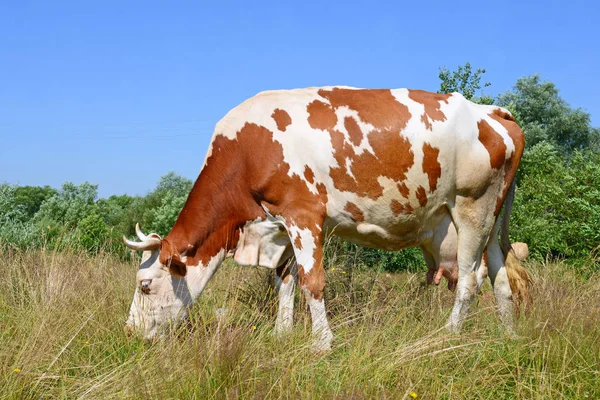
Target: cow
<point x="378" y="167"/>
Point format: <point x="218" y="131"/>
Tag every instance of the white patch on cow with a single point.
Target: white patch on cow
<point x="285" y="313"/>
<point x="322" y="334"/>
<point x="349" y="168"/>
<point x="263" y="243"/>
<point x="305" y="255"/>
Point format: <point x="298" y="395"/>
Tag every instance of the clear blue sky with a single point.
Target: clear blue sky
<point x="119" y="93"/>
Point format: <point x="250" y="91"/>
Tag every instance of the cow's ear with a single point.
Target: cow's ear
<point x="177" y="267"/>
<point x="171" y="259"/>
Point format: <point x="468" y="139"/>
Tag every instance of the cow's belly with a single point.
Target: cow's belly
<point x="387" y="231"/>
<point x="374" y="236"/>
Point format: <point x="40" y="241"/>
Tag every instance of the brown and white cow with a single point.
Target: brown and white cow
<point x="381" y="168"/>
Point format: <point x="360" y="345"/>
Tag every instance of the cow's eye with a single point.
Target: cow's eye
<point x="145" y="285"/>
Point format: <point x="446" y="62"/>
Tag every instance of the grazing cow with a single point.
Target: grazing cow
<point x="379" y="167"/>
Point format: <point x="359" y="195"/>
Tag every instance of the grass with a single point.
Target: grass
<point x="61" y="336"/>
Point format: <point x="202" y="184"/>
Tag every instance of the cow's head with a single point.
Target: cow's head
<point x="165" y="286"/>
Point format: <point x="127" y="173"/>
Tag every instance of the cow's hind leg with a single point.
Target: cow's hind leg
<point x="432" y="265"/>
<point x="499" y="277"/>
<point x="474" y="220"/>
<point x="285" y="280"/>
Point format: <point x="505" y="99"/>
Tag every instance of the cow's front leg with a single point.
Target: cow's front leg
<point x="285" y="280"/>
<point x="308" y="248"/>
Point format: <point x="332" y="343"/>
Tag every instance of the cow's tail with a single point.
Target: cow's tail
<point x="518" y="277"/>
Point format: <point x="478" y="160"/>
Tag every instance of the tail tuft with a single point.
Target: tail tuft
<point x="518" y="278"/>
<point x="520" y="282"/>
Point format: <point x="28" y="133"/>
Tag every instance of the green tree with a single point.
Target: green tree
<point x="69" y="205"/>
<point x="545" y="116"/>
<point x="158" y="211"/>
<point x="163" y="217"/>
<point x="92" y="232"/>
<point x="31" y="198"/>
<point x="15" y="229"/>
<point x="465" y="81"/>
<point x="173" y="183"/>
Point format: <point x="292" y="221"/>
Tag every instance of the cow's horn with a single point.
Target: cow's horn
<point x="139" y="233"/>
<point x="148" y="244"/>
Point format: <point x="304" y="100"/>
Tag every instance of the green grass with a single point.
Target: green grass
<point x="61" y="336"/>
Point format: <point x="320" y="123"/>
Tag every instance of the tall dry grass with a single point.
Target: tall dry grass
<point x="61" y="336"/>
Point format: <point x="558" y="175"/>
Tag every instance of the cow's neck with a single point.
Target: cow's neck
<point x="217" y="206"/>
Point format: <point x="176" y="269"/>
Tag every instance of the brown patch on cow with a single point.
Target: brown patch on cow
<point x="510" y="166"/>
<point x="309" y="175"/>
<point x="422" y="196"/>
<point x="392" y="159"/>
<point x="399" y="208"/>
<point x="321" y="115"/>
<point x="377" y="107"/>
<point x="355" y="212"/>
<point x="493" y="143"/>
<point x="432" y="104"/>
<point x="431" y="165"/>
<point x="313" y="281"/>
<point x="354" y="132"/>
<point x="396" y="207"/>
<point x="298" y="242"/>
<point x="392" y="156"/>
<point x="322" y="192"/>
<point x="403" y="189"/>
<point x="282" y="119"/>
<point x="502" y="114"/>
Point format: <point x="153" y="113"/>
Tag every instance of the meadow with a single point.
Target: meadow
<point x="62" y="316"/>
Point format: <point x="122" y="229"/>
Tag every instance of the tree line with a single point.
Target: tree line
<point x="556" y="210"/>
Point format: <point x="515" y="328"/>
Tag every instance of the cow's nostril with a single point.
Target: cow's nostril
<point x="145" y="286"/>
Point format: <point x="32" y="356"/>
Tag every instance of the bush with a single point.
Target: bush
<point x="93" y="233"/>
<point x="557" y="204"/>
<point x="14" y="230"/>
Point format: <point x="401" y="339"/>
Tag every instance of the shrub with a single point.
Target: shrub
<point x="557" y="204"/>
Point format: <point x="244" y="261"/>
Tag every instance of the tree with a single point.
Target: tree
<point x="163" y="217"/>
<point x="68" y="206"/>
<point x="545" y="116"/>
<point x="15" y="229"/>
<point x="158" y="211"/>
<point x="31" y="198"/>
<point x="173" y="183"/>
<point x="93" y="233"/>
<point x="465" y="81"/>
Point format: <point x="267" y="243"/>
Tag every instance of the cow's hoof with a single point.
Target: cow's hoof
<point x="322" y="344"/>
<point x="282" y="331"/>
